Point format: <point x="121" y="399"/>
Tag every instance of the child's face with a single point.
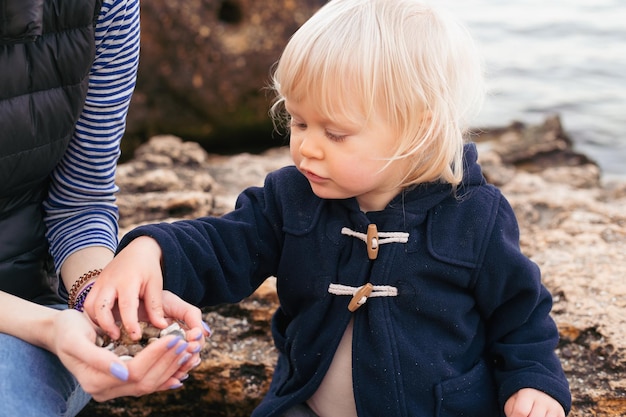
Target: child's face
<point x="343" y="159"/>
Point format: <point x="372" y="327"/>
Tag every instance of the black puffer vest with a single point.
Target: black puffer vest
<point x="47" y="48"/>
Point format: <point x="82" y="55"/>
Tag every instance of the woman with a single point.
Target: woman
<point x="67" y="73"/>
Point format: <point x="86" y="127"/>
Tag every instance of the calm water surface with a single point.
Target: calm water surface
<point x="559" y="56"/>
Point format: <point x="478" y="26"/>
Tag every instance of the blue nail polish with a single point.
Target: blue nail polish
<point x="182" y="347"/>
<point x="119" y="371"/>
<point x="184" y="377"/>
<point x="197" y="349"/>
<point x="184" y="359"/>
<point x="207" y="329"/>
<point x="175" y="386"/>
<point x="173" y="342"/>
<point x="198" y="337"/>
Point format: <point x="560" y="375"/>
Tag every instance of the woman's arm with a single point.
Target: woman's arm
<point x="29" y="321"/>
<point x="80" y="208"/>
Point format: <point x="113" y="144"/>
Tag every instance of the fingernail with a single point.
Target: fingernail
<point x="175" y="386"/>
<point x="184" y="359"/>
<point x="207" y="329"/>
<point x="184" y="377"/>
<point x="198" y="337"/>
<point x="173" y="342"/>
<point x="119" y="371"/>
<point x="197" y="362"/>
<point x="182" y="347"/>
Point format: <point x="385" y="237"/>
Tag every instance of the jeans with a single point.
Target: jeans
<point x="34" y="382"/>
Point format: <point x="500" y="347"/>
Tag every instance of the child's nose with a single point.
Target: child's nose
<point x="310" y="147"/>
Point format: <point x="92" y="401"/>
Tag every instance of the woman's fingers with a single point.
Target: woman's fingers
<point x="154" y="369"/>
<point x="159" y="366"/>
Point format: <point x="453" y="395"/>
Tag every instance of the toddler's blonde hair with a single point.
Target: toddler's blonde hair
<point x="416" y="66"/>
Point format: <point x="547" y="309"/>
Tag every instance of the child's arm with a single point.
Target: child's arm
<point x="529" y="402"/>
<point x="521" y="334"/>
<point x="204" y="261"/>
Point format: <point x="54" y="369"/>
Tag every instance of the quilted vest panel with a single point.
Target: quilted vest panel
<point x="47" y="48"/>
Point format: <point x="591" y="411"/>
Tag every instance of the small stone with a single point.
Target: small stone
<point x="150" y="332"/>
<point x="126" y="346"/>
<point x="121" y="350"/>
<point x="133" y="350"/>
<point x="173" y="329"/>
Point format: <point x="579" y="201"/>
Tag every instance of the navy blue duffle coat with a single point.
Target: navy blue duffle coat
<point x="470" y="324"/>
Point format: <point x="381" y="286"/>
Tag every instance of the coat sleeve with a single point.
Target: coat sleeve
<point x="214" y="260"/>
<point x="521" y="335"/>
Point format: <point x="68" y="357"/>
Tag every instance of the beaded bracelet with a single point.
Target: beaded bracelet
<point x="73" y="295"/>
<point x="80" y="298"/>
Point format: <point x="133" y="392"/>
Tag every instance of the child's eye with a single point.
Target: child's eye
<point x="334" y="137"/>
<point x="298" y="125"/>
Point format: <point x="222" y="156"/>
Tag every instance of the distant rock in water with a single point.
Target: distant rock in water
<point x="572" y="224"/>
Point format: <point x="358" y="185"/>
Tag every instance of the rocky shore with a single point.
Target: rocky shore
<point x="572" y="224"/>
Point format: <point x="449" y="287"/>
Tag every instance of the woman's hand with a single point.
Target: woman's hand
<point x="529" y="402"/>
<point x="162" y="365"/>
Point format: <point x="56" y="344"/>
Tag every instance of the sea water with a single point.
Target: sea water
<point x="558" y="56"/>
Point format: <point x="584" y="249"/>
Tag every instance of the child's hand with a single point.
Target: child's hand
<point x="132" y="286"/>
<point x="529" y="402"/>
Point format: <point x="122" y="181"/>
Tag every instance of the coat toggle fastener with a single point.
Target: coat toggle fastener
<point x="360" y="297"/>
<point x="372" y="241"/>
<point x="361" y="294"/>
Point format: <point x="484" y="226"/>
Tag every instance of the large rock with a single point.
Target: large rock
<point x="572" y="224"/>
<point x="204" y="67"/>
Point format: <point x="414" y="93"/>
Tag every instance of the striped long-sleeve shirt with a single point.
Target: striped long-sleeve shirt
<point x="80" y="208"/>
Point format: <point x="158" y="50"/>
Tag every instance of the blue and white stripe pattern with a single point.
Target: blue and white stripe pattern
<point x="81" y="209"/>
